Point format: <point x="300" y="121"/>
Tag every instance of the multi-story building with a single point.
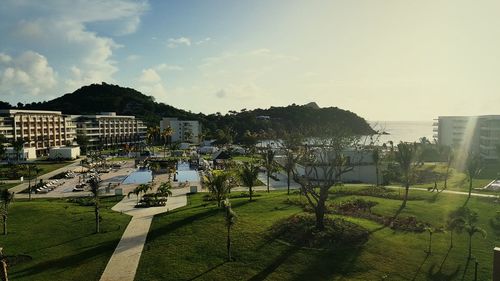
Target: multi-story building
<point x="183" y="131"/>
<point x="478" y="134"/>
<point x="38" y="129"/>
<point x="108" y="129"/>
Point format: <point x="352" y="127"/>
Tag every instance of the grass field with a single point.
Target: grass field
<point x="59" y="237"/>
<point x="7" y="185"/>
<point x="45" y="168"/>
<point x="189" y="244"/>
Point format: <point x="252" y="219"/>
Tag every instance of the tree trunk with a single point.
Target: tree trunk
<point x="97" y="228"/>
<point x="250" y="190"/>
<point x="3" y="270"/>
<point x="470" y="246"/>
<point x="376" y="174"/>
<point x="288" y="181"/>
<point x="267" y="181"/>
<point x="470" y="187"/>
<point x="407" y="187"/>
<point x="229" y="243"/>
<point x="5" y="224"/>
<point x="320" y="209"/>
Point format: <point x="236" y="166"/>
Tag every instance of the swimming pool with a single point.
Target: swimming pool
<point x="139" y="176"/>
<point x="184" y="173"/>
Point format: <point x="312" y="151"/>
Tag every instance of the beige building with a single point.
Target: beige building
<point x="39" y="129"/>
<point x="183" y="131"/>
<point x="108" y="129"/>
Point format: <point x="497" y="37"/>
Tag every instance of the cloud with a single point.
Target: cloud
<point x="62" y="29"/>
<point x="168" y="67"/>
<point x="203" y="41"/>
<point x="149" y="76"/>
<point x="221" y="93"/>
<point x="175" y="42"/>
<point x="26" y="75"/>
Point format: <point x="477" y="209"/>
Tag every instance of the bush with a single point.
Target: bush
<point x="82" y="201"/>
<point x="379" y="192"/>
<point x="300" y="230"/>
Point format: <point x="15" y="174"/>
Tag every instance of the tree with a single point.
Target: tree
<point x="136" y="191"/>
<point x="230" y="220"/>
<point x="405" y="157"/>
<point x="3" y="266"/>
<point x="151" y="136"/>
<point x="248" y="174"/>
<point x="449" y="163"/>
<point x="83" y="142"/>
<point x="269" y="164"/>
<point x="30" y="169"/>
<point x="166" y="134"/>
<point x="164" y="191"/>
<point x="94" y="189"/>
<point x="6" y="197"/>
<point x="473" y="167"/>
<point x="470" y="219"/>
<point x="325" y="162"/>
<point x="376" y="161"/>
<point x="218" y="186"/>
<point x="431" y="230"/>
<point x="455" y="223"/>
<point x="290" y="144"/>
<point x="18" y="146"/>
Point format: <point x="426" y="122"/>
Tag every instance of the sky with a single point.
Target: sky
<point x="384" y="60"/>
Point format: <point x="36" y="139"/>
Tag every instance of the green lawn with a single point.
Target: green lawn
<point x="45" y="168"/>
<point x="59" y="237"/>
<point x="189" y="244"/>
<point x="7" y="185"/>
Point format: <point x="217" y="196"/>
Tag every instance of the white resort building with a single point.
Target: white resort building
<point x="39" y="129"/>
<point x="478" y="134"/>
<point x="183" y="131"/>
<point x="108" y="129"/>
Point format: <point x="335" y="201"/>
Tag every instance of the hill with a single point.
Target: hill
<point x="104" y="97"/>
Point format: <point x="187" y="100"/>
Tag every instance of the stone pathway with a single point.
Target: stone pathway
<point x="450" y="192"/>
<point x="122" y="265"/>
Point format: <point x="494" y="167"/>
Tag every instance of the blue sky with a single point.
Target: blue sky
<point x="385" y="60"/>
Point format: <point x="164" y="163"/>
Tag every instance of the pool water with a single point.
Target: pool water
<point x="184" y="173"/>
<point x="139" y="176"/>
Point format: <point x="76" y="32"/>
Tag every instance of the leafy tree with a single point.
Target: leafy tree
<point x="3" y="266"/>
<point x="136" y="191"/>
<point x="166" y="134"/>
<point x="325" y="163"/>
<point x="405" y="157"/>
<point x="230" y="220"/>
<point x="248" y="174"/>
<point x="473" y="167"/>
<point x="218" y="186"/>
<point x="94" y="189"/>
<point x="449" y="162"/>
<point x="6" y="197"/>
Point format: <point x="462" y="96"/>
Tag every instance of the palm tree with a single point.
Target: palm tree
<point x="164" y="191"/>
<point x="473" y="167"/>
<point x="6" y="197"/>
<point x="230" y="219"/>
<point x="470" y="227"/>
<point x="94" y="189"/>
<point x="269" y="164"/>
<point x="376" y="161"/>
<point x="18" y="146"/>
<point x="166" y="135"/>
<point x="248" y="175"/>
<point x="218" y="186"/>
<point x="290" y="162"/>
<point x="151" y="135"/>
<point x="405" y="156"/>
<point x="449" y="162"/>
<point x="454" y="224"/>
<point x="136" y="191"/>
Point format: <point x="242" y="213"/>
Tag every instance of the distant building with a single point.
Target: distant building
<point x="39" y="129"/>
<point x="108" y="129"/>
<point x="478" y="134"/>
<point x="183" y="131"/>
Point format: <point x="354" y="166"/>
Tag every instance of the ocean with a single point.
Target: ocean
<point x="406" y="131"/>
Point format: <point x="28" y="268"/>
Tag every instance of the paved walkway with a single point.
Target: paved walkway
<point x="123" y="264"/>
<point x="450" y="192"/>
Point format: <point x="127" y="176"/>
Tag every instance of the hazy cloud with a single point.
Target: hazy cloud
<point x="175" y="42"/>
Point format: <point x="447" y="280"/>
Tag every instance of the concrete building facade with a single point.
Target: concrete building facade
<point x="108" y="129"/>
<point x="183" y="131"/>
<point x="477" y="134"/>
<point x="39" y="129"/>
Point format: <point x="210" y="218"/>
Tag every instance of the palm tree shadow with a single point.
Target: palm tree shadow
<point x="439" y="275"/>
<point x="208" y="271"/>
<point x="420" y="267"/>
<point x="465" y="270"/>
<point x="262" y="275"/>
